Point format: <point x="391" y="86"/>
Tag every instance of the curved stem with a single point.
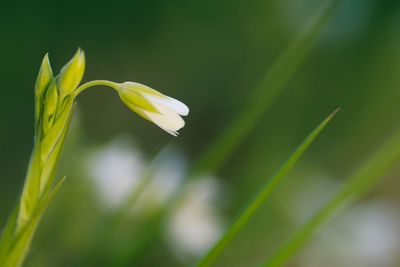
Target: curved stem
<point x="85" y="86"/>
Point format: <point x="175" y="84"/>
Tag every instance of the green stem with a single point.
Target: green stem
<point x="85" y="86"/>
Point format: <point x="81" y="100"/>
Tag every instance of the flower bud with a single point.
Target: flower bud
<point x="44" y="77"/>
<point x="71" y="74"/>
<point x="50" y="106"/>
<point x="133" y="93"/>
<point x="152" y="105"/>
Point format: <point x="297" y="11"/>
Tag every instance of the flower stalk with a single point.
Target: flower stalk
<point x="55" y="99"/>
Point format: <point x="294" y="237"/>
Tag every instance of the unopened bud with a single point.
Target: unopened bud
<point x="50" y="106"/>
<point x="71" y="74"/>
<point x="44" y="77"/>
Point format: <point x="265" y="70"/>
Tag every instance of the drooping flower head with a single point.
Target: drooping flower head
<point x="154" y="106"/>
<point x="162" y="110"/>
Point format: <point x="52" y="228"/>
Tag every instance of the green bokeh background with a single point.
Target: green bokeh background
<point x="210" y="55"/>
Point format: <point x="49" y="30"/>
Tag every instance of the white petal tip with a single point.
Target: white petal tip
<point x="173" y="133"/>
<point x="179" y="107"/>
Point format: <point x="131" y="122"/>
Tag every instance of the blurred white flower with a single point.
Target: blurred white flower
<point x="118" y="171"/>
<point x="154" y="106"/>
<point x="115" y="170"/>
<point x="368" y="235"/>
<point x="166" y="176"/>
<point x="307" y="195"/>
<point x="196" y="224"/>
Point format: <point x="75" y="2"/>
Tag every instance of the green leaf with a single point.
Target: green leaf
<point x="7" y="235"/>
<point x="20" y="244"/>
<point x="56" y="135"/>
<point x="358" y="183"/>
<point x="261" y="197"/>
<point x="31" y="192"/>
<point x="269" y="88"/>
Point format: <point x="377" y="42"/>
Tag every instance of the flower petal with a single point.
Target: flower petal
<point x="167" y="120"/>
<point x="169" y="102"/>
<point x="135" y="97"/>
<point x="154" y="106"/>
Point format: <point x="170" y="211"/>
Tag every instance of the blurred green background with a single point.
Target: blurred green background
<point x="210" y="55"/>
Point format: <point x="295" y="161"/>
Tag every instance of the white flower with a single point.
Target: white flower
<point x="115" y="170"/>
<point x="196" y="223"/>
<point x="368" y="235"/>
<point x="152" y="105"/>
<point x="165" y="175"/>
<point x="118" y="170"/>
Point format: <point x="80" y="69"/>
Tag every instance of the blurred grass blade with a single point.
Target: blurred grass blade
<point x="254" y="205"/>
<point x="257" y="104"/>
<point x="360" y="182"/>
<point x="271" y="85"/>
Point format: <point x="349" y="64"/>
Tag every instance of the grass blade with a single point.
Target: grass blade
<point x="258" y="102"/>
<point x="360" y="182"/>
<point x="261" y="197"/>
<point x="269" y="88"/>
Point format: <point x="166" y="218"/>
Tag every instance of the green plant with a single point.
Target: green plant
<point x="55" y="99"/>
